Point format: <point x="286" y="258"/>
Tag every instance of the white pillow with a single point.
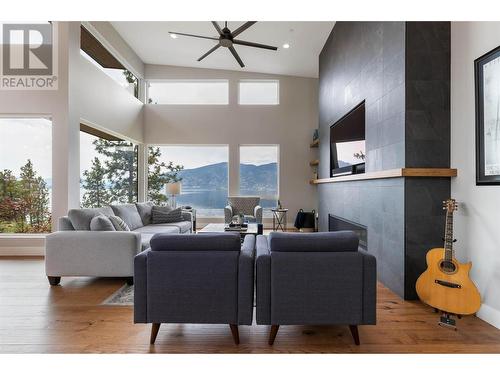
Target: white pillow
<point x="119" y="224"/>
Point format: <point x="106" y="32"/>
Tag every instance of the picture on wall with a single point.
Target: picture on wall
<point x="487" y="76"/>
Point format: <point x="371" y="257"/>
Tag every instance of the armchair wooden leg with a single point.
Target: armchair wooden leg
<point x="355" y="334"/>
<point x="154" y="332"/>
<point x="54" y="280"/>
<point x="235" y="333"/>
<point x="273" y="333"/>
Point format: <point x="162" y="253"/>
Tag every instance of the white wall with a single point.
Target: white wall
<point x="289" y="124"/>
<point x="104" y="103"/>
<point x="477" y="221"/>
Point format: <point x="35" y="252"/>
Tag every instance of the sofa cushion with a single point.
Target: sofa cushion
<point x="129" y="214"/>
<point x="180" y="227"/>
<point x="314" y="242"/>
<point x="184" y="226"/>
<point x="144" y="210"/>
<point x="159" y="228"/>
<point x="119" y="224"/>
<point x="101" y="223"/>
<point x="160" y="215"/>
<point x="80" y="217"/>
<point x="196" y="242"/>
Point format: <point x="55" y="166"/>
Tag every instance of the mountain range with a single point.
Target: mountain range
<point x="214" y="177"/>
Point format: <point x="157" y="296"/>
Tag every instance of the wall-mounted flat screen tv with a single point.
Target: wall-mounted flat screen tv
<point x="347" y="143"/>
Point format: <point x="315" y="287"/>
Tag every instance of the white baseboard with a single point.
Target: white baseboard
<point x="22" y="251"/>
<point x="489" y="315"/>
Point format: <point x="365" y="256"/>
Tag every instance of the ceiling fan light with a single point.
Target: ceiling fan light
<point x="286" y="45"/>
<point x="173" y="36"/>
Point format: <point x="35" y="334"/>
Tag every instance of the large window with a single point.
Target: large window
<point x="94" y="52"/>
<point x="202" y="170"/>
<point x="25" y="175"/>
<point x="259" y="174"/>
<point x="259" y="92"/>
<point x="108" y="169"/>
<point x="189" y="92"/>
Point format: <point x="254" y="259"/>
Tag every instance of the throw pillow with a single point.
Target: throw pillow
<point x="101" y="223"/>
<point x="129" y="214"/>
<point x="80" y="218"/>
<point x="119" y="224"/>
<point x="145" y="211"/>
<point x="162" y="215"/>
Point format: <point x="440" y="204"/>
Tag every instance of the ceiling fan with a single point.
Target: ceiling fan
<point x="226" y="39"/>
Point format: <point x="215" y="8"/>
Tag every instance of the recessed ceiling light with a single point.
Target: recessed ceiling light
<point x="286" y="45"/>
<point x="173" y="36"/>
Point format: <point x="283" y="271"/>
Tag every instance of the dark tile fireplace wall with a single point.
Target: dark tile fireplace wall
<point x="401" y="70"/>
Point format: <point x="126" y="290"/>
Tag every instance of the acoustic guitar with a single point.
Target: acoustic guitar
<point x="446" y="284"/>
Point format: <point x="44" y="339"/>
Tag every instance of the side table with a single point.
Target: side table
<point x="279" y="218"/>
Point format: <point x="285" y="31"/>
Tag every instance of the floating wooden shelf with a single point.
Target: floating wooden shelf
<point x="314" y="163"/>
<point x="314" y="143"/>
<point x="391" y="173"/>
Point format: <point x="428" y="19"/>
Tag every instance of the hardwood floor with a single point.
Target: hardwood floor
<point x="37" y="318"/>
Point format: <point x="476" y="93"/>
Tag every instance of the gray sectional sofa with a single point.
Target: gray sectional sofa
<point x="76" y="250"/>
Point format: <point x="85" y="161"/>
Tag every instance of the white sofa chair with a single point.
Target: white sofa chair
<point x="247" y="206"/>
<point x="75" y="250"/>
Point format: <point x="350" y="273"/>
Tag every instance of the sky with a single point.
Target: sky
<point x="194" y="157"/>
<point x="258" y="155"/>
<point x="26" y="138"/>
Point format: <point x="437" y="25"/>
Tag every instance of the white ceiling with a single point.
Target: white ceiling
<point x="151" y="41"/>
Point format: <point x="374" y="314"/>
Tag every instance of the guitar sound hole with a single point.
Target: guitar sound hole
<point x="447" y="266"/>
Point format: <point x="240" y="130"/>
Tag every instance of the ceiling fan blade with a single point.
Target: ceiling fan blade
<point x="194" y="36"/>
<point x="217" y="27"/>
<point x="209" y="52"/>
<point x="235" y="54"/>
<point x="251" y="44"/>
<point x="242" y="28"/>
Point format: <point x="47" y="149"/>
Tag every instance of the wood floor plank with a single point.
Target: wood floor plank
<point x="37" y="318"/>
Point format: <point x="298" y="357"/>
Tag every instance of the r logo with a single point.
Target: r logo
<point x="27" y="49"/>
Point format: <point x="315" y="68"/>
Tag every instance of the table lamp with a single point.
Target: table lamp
<point x="173" y="189"/>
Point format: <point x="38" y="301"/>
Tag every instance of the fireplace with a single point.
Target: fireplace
<point x="336" y="223"/>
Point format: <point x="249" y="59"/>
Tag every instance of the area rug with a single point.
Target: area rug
<point x="122" y="297"/>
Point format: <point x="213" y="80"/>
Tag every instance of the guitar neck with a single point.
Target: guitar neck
<point x="448" y="236"/>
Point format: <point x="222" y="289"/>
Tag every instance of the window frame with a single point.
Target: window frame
<point x="34" y="115"/>
<point x="277" y="81"/>
<point x="220" y="80"/>
<point x="278" y="162"/>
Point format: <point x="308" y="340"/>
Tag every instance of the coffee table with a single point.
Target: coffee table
<point x="252" y="228"/>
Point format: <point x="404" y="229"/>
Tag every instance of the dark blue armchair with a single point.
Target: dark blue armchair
<point x="314" y="279"/>
<point x="195" y="278"/>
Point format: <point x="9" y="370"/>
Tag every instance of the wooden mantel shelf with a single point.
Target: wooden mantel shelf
<point x="391" y="173"/>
